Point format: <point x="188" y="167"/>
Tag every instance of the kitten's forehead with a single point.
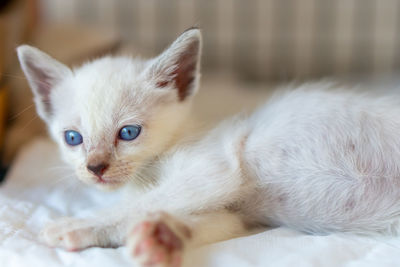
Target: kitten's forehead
<point x="106" y="74"/>
<point x="105" y="93"/>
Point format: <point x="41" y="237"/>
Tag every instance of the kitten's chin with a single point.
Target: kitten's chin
<point x="109" y="186"/>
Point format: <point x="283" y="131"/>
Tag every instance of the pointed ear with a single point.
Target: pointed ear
<point x="43" y="73"/>
<point x="179" y="66"/>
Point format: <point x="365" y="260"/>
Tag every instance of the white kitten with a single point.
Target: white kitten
<point x="313" y="159"/>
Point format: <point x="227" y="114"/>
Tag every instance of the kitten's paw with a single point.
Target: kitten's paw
<point x="158" y="241"/>
<point x="69" y="233"/>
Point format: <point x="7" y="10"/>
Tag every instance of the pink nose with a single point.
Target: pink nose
<point x="98" y="169"/>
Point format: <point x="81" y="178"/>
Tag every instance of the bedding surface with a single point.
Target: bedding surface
<point x="39" y="188"/>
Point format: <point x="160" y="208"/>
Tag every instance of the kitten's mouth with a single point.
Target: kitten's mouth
<point x="101" y="180"/>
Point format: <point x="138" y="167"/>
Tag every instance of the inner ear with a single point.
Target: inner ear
<point x="178" y="66"/>
<point x="185" y="72"/>
<point x="43" y="74"/>
<point x="43" y="83"/>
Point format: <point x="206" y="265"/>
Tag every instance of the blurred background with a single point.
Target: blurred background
<point x="258" y="39"/>
<point x="250" y="46"/>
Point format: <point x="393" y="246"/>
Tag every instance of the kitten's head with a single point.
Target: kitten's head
<point x="113" y="115"/>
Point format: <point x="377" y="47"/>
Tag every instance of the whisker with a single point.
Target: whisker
<point x="20" y="77"/>
<point x="63" y="179"/>
<point x="29" y="122"/>
<point x="23" y="78"/>
<point x="62" y="166"/>
<point x="21" y="112"/>
<point x="58" y="171"/>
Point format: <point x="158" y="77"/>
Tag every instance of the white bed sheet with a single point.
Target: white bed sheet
<point x="38" y="189"/>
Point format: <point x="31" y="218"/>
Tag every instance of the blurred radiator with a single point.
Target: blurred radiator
<point x="260" y="39"/>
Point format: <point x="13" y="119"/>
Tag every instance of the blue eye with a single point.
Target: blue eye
<point x="129" y="132"/>
<point x="73" y="138"/>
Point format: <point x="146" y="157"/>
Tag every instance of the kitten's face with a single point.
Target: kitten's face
<point x="112" y="116"/>
<point x="103" y="98"/>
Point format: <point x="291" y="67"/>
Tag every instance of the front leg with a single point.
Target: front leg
<point x="196" y="187"/>
<point x="161" y="238"/>
<point x="75" y="234"/>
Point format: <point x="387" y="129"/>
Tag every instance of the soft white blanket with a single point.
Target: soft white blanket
<point x="39" y="189"/>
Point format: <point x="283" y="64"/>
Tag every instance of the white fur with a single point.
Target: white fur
<point x="313" y="158"/>
<point x="100" y="97"/>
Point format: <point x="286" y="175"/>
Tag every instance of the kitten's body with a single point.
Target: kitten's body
<point x="312" y="159"/>
<point x="328" y="163"/>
